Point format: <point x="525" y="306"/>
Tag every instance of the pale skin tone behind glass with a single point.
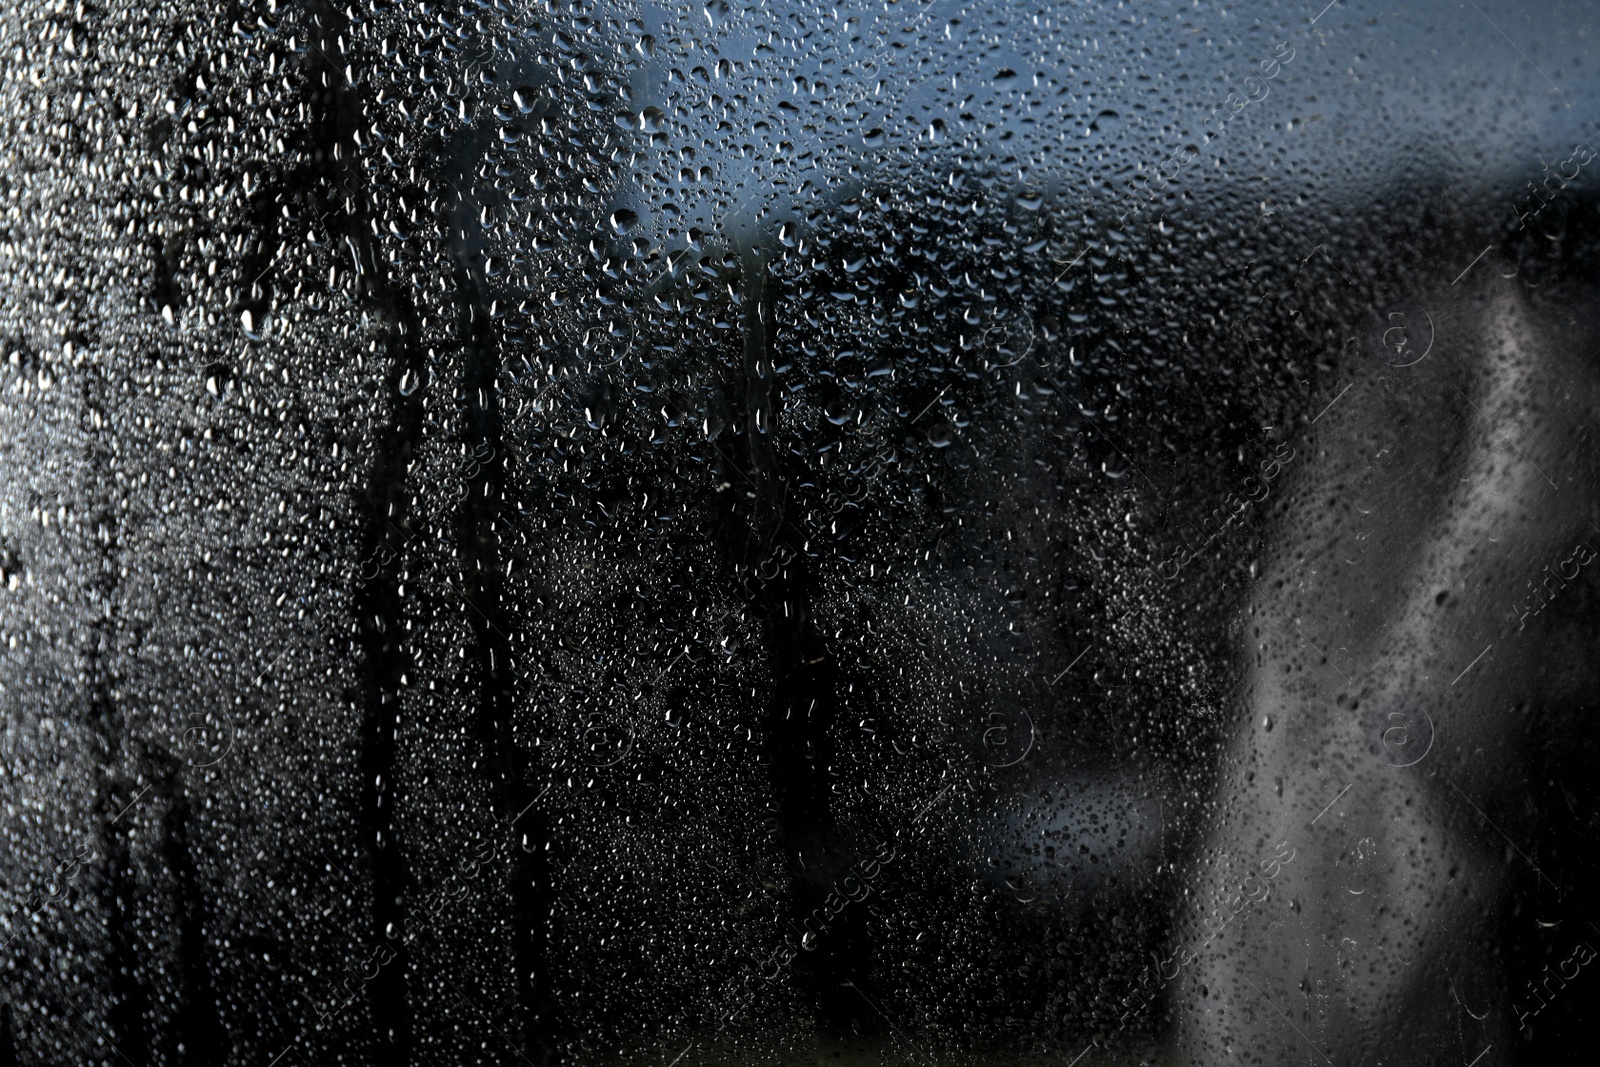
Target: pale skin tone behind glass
<point x="1387" y="652"/>
<point x="1404" y="558"/>
<point x="1389" y="643"/>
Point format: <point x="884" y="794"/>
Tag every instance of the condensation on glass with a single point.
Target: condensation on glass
<point x="905" y="533"/>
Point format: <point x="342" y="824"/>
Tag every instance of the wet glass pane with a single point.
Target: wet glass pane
<point x="788" y="533"/>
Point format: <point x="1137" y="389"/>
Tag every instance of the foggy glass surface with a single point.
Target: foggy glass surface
<point x="792" y="533"/>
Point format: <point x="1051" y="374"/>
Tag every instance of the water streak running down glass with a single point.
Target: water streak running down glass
<point x="881" y="533"/>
